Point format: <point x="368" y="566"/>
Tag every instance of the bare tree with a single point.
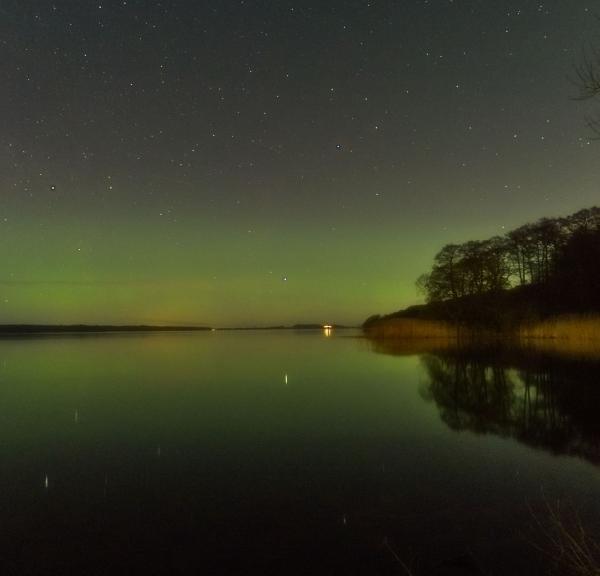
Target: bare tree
<point x="588" y="83"/>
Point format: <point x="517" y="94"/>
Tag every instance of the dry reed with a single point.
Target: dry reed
<point x="565" y="541"/>
<point x="411" y="328"/>
<point x="576" y="328"/>
<point x="570" y="335"/>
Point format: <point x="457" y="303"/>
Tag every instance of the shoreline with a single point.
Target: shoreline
<point x="33" y="329"/>
<point x="571" y="334"/>
<point x="16" y="329"/>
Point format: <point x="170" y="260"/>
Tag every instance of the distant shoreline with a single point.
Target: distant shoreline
<point x="91" y="328"/>
<point x="8" y="329"/>
<point x="294" y="327"/>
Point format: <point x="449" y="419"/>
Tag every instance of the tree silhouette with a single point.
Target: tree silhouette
<point x="557" y="255"/>
<point x="588" y="83"/>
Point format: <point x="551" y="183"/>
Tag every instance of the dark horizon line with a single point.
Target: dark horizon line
<point x="91" y="328"/>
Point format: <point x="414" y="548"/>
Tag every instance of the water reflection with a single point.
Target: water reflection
<point x="192" y="451"/>
<point x="541" y="400"/>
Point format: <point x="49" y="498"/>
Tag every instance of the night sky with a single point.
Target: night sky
<point x="260" y="162"/>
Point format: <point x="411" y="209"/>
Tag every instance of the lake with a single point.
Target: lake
<point x="283" y="452"/>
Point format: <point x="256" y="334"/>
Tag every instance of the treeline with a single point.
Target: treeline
<point x="560" y="257"/>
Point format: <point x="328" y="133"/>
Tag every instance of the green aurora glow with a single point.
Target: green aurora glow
<point x="305" y="175"/>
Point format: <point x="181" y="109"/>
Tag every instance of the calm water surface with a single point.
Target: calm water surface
<point x="286" y="453"/>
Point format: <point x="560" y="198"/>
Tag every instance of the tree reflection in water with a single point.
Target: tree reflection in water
<point x="541" y="400"/>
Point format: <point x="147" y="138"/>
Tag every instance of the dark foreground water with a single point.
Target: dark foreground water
<point x="287" y="453"/>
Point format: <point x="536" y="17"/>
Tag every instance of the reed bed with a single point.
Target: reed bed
<point x="411" y="328"/>
<point x="566" y="335"/>
<point x="575" y="336"/>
